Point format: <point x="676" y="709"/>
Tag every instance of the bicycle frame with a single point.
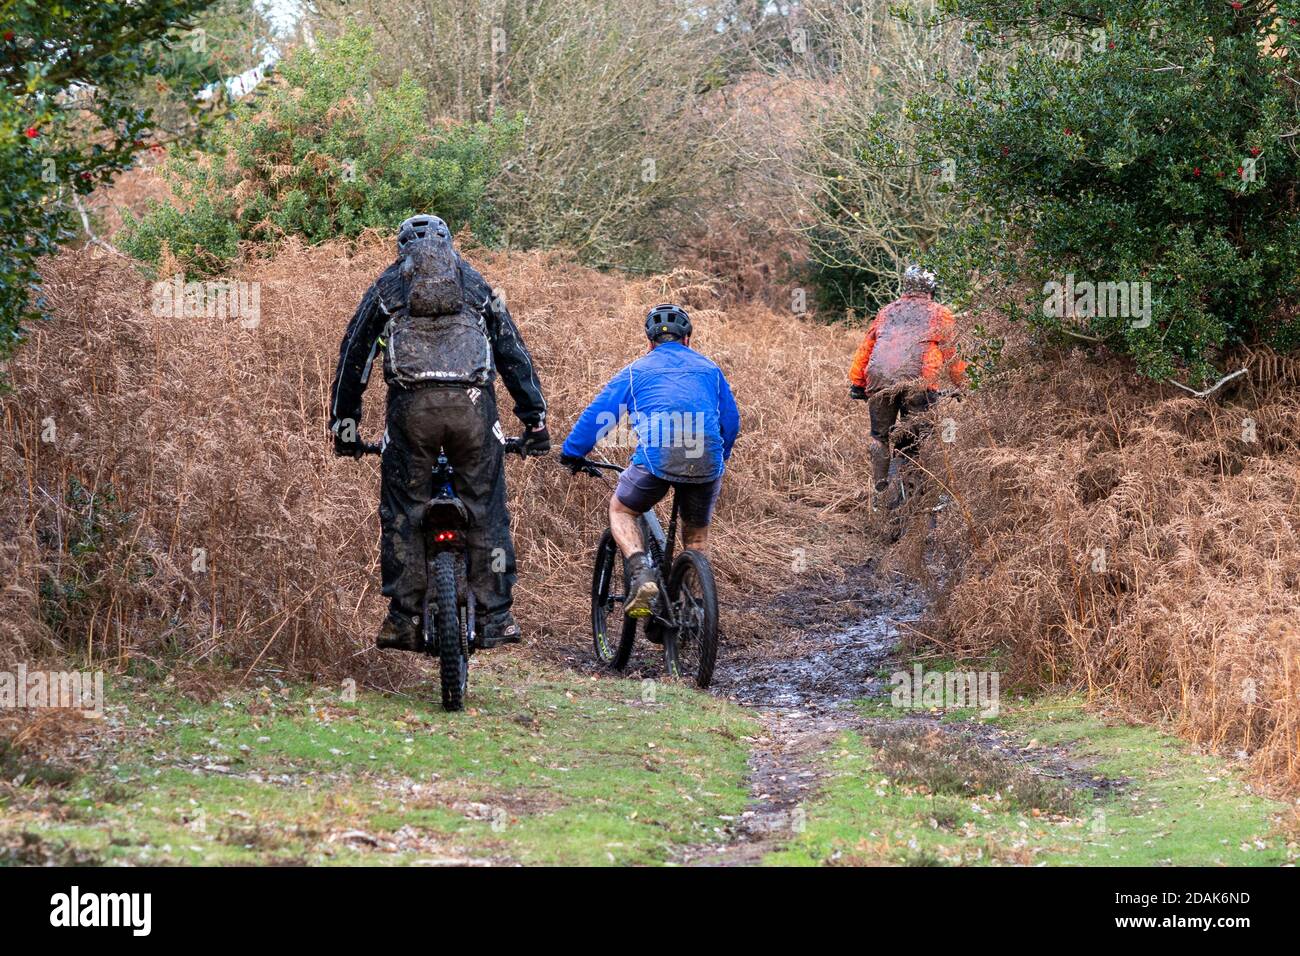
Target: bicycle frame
<point x="664" y="545"/>
<point x="664" y="542"/>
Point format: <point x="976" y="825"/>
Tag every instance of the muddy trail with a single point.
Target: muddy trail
<point x="804" y="693"/>
<point x="839" y="642"/>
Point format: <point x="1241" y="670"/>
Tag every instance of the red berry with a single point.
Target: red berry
<point x="1068" y="131"/>
<point x="1110" y="45"/>
<point x="1219" y="174"/>
<point x="31" y="132"/>
<point x="1241" y="171"/>
<point x="1255" y="151"/>
<point x="1236" y="4"/>
<point x="1196" y="171"/>
<point x="9" y="34"/>
<point x="1006" y="151"/>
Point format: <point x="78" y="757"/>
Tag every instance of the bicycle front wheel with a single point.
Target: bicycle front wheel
<point x="453" y="646"/>
<point x="608" y="593"/>
<point x="692" y="650"/>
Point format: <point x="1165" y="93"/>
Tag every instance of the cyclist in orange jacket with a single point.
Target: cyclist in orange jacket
<point x="896" y="369"/>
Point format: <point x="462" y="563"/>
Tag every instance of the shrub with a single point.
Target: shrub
<point x="1130" y="143"/>
<point x="71" y="117"/>
<point x="622" y="151"/>
<point x="327" y="152"/>
<point x="210" y="238"/>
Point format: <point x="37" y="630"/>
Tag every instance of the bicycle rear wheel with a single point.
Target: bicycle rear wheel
<point x="608" y="592"/>
<point x="692" y="650"/>
<point x="453" y="646"/>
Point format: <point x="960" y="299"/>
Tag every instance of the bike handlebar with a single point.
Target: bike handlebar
<point x="514" y="446"/>
<point x="594" y="468"/>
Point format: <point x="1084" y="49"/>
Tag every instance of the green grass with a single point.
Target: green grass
<point x="886" y="800"/>
<point x="552" y="767"/>
<point x="546" y="767"/>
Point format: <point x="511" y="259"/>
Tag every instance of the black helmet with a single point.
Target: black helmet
<point x="667" y="320"/>
<point x="420" y="227"/>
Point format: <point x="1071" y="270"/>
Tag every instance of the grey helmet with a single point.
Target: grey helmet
<point x="916" y="279"/>
<point x="420" y="227"/>
<point x="667" y="319"/>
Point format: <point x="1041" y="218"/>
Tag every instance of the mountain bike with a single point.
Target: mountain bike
<point x="908" y="479"/>
<point x="684" y="618"/>
<point x="450" y="627"/>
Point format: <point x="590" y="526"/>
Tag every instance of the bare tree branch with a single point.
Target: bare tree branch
<point x="1205" y="393"/>
<point x="90" y="233"/>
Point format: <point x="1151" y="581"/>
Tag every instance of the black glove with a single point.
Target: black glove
<point x="347" y="443"/>
<point x="575" y="463"/>
<point x="537" y="441"/>
<point x="857" y="392"/>
<point x="346" y="449"/>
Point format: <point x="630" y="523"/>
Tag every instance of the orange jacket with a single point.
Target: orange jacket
<point x="910" y="338"/>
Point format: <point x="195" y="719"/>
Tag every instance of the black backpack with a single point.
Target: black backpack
<point x="437" y="337"/>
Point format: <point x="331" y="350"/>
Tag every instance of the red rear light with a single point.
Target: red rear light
<point x="445" y="536"/>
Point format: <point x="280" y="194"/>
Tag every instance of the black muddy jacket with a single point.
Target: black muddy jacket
<point x="361" y="345"/>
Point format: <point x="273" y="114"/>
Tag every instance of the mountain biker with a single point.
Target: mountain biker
<point x="445" y="335"/>
<point x="896" y="369"/>
<point x="681" y="409"/>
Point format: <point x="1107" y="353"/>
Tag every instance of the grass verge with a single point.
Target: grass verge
<point x="546" y="767"/>
<point x="913" y="791"/>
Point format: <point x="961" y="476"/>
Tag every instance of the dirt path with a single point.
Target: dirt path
<point x="803" y="694"/>
<point x="806" y="692"/>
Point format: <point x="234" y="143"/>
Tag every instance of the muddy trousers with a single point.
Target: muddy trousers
<point x="888" y="407"/>
<point x="463" y="423"/>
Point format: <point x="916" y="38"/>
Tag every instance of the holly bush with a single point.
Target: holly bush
<point x="1128" y="141"/>
<point x="71" y="117"/>
<point x="327" y="151"/>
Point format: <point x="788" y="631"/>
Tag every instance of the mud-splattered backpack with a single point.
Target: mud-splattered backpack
<point x="437" y="336"/>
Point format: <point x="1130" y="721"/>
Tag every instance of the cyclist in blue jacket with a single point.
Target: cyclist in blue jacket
<point x="680" y="407"/>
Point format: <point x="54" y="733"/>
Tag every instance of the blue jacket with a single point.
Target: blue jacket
<point x="680" y="407"/>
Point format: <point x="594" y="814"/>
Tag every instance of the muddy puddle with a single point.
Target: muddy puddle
<point x="829" y="668"/>
<point x="804" y="692"/>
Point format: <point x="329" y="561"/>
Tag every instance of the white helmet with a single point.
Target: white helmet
<point x="916" y="279"/>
